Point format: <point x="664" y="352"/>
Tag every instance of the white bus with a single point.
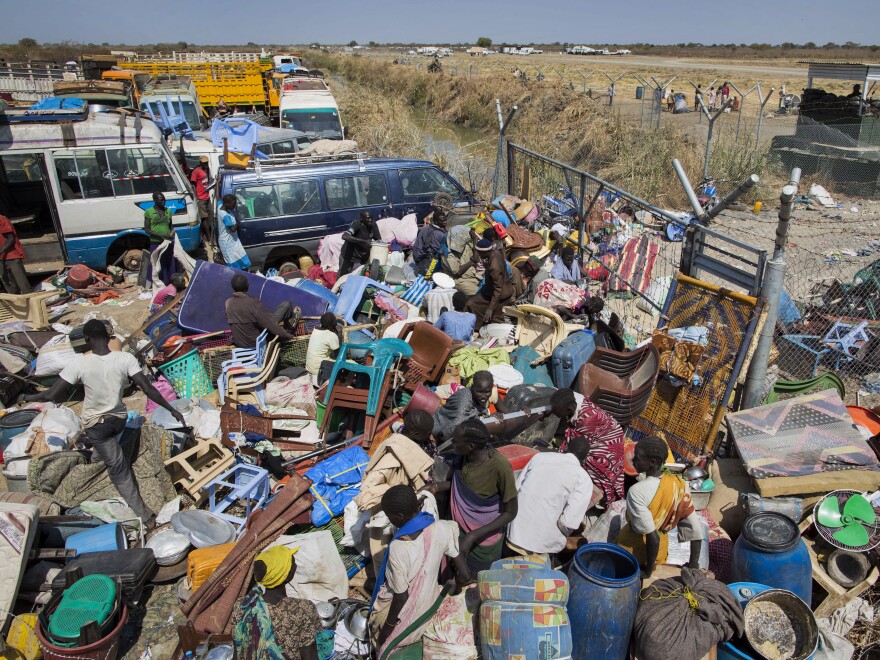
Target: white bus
<point x="76" y="184"/>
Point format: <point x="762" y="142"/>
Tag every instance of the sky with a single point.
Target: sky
<point x="443" y="21"/>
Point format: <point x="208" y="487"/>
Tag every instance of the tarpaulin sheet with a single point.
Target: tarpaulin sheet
<point x="204" y="306"/>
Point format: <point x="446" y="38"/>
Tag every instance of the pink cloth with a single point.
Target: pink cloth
<point x="404" y="230"/>
<point x="329" y="250"/>
<point x="604" y="463"/>
<point x="553" y="293"/>
<point x="165" y="389"/>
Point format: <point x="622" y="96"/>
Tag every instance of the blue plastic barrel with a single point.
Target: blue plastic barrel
<point x="770" y="551"/>
<point x="106" y="537"/>
<point x="640" y="92"/>
<point x="604" y="587"/>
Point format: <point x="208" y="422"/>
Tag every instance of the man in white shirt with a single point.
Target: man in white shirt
<point x="554" y="492"/>
<point x="105" y="374"/>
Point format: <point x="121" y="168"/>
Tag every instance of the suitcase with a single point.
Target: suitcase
<point x="568" y="358"/>
<point x="204" y="561"/>
<point x="133" y="568"/>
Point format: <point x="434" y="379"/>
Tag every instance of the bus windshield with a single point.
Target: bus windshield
<point x="315" y="122"/>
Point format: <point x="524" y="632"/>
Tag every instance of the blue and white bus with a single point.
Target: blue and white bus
<point x="76" y="183"/>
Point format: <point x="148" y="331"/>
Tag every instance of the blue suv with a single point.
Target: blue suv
<point x="284" y="210"/>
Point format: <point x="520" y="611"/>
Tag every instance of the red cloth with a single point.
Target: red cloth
<point x="16" y="251"/>
<point x="605" y="460"/>
<point x="199" y="177"/>
<point x="326" y="277"/>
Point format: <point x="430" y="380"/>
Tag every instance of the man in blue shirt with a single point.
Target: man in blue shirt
<point x="458" y="324"/>
<point x="429" y="242"/>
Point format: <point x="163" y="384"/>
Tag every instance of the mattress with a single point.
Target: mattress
<point x="807" y="444"/>
<point x="18" y="526"/>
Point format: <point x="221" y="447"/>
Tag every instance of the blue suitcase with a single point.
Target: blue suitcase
<point x="569" y="357"/>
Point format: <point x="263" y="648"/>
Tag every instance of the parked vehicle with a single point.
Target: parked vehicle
<point x="180" y="91"/>
<point x="102" y="95"/>
<point x="76" y="183"/>
<point x="307" y="105"/>
<point x="284" y="210"/>
<point x="137" y="80"/>
<point x="272" y="143"/>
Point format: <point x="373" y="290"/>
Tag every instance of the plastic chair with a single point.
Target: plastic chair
<point x="540" y="328"/>
<point x="384" y="352"/>
<point x="812" y="345"/>
<point x="827" y="381"/>
<point x="845" y="339"/>
<point x="243" y="358"/>
<point x="621" y="383"/>
<point x="242" y="482"/>
<point x="250" y="382"/>
<point x="431" y="348"/>
<point x="26" y="307"/>
<point x="352" y="294"/>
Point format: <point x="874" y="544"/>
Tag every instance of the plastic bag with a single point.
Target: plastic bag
<point x="54" y="355"/>
<point x="287" y="393"/>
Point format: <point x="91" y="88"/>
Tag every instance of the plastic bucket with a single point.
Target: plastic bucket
<point x="104" y="649"/>
<point x="423" y="399"/>
<point x="106" y="537"/>
<point x="16" y="484"/>
<point x="379" y="251"/>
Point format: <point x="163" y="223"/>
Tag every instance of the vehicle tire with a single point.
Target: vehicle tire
<point x="132" y="259"/>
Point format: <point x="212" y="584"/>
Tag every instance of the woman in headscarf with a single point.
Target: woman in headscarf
<point x="497" y="289"/>
<point x="227" y="235"/>
<point x="482" y="495"/>
<point x="268" y="624"/>
<point x="407" y="583"/>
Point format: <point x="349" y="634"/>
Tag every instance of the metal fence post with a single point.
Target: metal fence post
<point x="763" y="100"/>
<point x="499" y="157"/>
<point x="774" y="279"/>
<point x="742" y="105"/>
<point x="611" y="87"/>
<point x="712" y="119"/>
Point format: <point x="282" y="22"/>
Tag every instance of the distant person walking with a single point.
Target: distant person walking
<point x="697" y="95"/>
<point x="12" y="260"/>
<point x="199" y="178"/>
<point x="712" y="96"/>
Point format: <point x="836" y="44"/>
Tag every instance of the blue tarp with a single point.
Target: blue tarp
<point x="336" y="481"/>
<point x="58" y="103"/>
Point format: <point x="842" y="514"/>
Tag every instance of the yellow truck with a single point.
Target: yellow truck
<point x="137" y="79"/>
<point x="241" y="85"/>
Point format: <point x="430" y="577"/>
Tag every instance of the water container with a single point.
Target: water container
<point x="570" y="356"/>
<point x="640" y="92"/>
<point x="379" y="251"/>
<point x="604" y="581"/>
<point x="524" y="585"/>
<point x="770" y="551"/>
<point x="106" y="537"/>
<point x="738" y="648"/>
<point x="518" y="630"/>
<point x="11" y="424"/>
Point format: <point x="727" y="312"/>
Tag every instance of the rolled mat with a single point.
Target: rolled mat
<point x="210" y="607"/>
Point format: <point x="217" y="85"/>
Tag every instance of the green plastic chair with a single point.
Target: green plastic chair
<point x="826" y="381"/>
<point x="414" y="651"/>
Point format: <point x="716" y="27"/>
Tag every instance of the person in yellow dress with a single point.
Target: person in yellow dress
<point x="655" y="506"/>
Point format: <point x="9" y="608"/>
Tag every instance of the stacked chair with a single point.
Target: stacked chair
<point x="245" y="374"/>
<point x="621" y="382"/>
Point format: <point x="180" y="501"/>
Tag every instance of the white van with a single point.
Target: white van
<point x="76" y="184"/>
<point x="307" y="105"/>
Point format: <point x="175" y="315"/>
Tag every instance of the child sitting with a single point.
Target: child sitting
<point x="458" y="324"/>
<point x="165" y="294"/>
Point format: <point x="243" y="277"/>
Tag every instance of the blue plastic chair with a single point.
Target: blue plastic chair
<point x="845" y="339"/>
<point x="384" y="352"/>
<point x="352" y="294"/>
<point x="243" y="359"/>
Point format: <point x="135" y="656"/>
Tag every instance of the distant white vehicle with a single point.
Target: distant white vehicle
<point x="623" y="51"/>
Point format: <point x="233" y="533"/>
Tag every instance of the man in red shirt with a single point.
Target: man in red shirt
<point x="12" y="259"/>
<point x="199" y="178"/>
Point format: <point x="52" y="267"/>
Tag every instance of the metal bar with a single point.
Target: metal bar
<point x="688" y="189"/>
<point x="733" y="195"/>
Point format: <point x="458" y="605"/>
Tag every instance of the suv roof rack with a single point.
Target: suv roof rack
<point x="310" y="159"/>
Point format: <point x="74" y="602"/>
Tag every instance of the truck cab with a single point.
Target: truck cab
<point x="102" y="95"/>
<point x="137" y="80"/>
<point x="307" y="105"/>
<point x="180" y="92"/>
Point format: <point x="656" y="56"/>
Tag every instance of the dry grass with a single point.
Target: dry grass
<point x="558" y="122"/>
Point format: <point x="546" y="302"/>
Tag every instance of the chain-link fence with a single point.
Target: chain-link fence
<point x="760" y="128"/>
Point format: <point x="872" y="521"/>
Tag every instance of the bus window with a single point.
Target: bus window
<point x="84" y="174"/>
<point x="425" y="181"/>
<point x="21" y="168"/>
<point x="139" y="171"/>
<point x="257" y="202"/>
<point x="299" y="197"/>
